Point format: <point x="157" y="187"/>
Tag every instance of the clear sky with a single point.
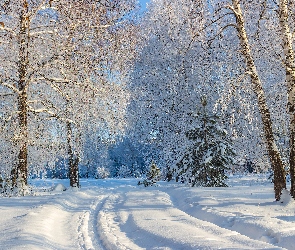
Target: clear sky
<point x="143" y="3"/>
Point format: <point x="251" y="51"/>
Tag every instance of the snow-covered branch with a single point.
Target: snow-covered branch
<point x="232" y="9"/>
<point x="101" y="26"/>
<point x="3" y="28"/>
<point x="55" y="79"/>
<point x="42" y="110"/>
<point x="50" y="113"/>
<point x="14" y="89"/>
<point x="41" y="33"/>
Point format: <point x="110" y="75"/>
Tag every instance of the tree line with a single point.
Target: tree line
<point x="74" y="70"/>
<point x="240" y="54"/>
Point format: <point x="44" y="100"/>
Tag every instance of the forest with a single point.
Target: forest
<point x="187" y="90"/>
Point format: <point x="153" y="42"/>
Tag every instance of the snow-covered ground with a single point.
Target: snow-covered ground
<point x="118" y="214"/>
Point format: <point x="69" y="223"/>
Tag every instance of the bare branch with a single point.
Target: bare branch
<point x="204" y="28"/>
<point x="6" y="94"/>
<point x="56" y="88"/>
<point x="42" y="27"/>
<point x="219" y="18"/>
<point x="93" y="88"/>
<point x="275" y="2"/>
<point x="38" y="8"/>
<point x="42" y="65"/>
<point x="222" y="29"/>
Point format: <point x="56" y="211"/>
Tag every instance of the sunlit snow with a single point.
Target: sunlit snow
<point x="118" y="214"/>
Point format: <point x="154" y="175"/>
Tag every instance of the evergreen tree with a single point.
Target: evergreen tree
<point x="152" y="176"/>
<point x="206" y="161"/>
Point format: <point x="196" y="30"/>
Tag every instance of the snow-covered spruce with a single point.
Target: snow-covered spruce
<point x="152" y="176"/>
<point x="206" y="161"/>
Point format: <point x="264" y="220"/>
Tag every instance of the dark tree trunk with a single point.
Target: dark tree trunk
<point x="21" y="171"/>
<point x="292" y="159"/>
<point x="74" y="173"/>
<point x="72" y="160"/>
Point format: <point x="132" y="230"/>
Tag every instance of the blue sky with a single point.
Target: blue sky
<point x="143" y="3"/>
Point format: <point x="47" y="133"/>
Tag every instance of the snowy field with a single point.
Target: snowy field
<point x="118" y="214"/>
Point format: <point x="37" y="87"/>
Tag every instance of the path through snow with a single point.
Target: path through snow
<point x="117" y="214"/>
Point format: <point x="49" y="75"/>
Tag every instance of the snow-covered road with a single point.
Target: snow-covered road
<point x="117" y="214"/>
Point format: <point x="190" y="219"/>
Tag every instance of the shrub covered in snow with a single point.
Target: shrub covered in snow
<point x="13" y="187"/>
<point x="102" y="173"/>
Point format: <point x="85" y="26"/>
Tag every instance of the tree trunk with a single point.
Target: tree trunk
<point x="21" y="172"/>
<point x="73" y="162"/>
<point x="286" y="35"/>
<point x="273" y="152"/>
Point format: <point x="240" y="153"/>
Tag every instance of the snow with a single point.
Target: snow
<point x="59" y="187"/>
<point x="118" y="214"/>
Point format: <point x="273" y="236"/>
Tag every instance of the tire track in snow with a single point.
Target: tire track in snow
<point x="149" y="219"/>
<point x="84" y="239"/>
<point x="112" y="236"/>
<point x="93" y="223"/>
<point x="66" y="221"/>
<point x="248" y="226"/>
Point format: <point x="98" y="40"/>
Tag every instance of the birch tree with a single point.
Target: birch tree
<point x="289" y="62"/>
<point x="20" y="64"/>
<point x="251" y="70"/>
